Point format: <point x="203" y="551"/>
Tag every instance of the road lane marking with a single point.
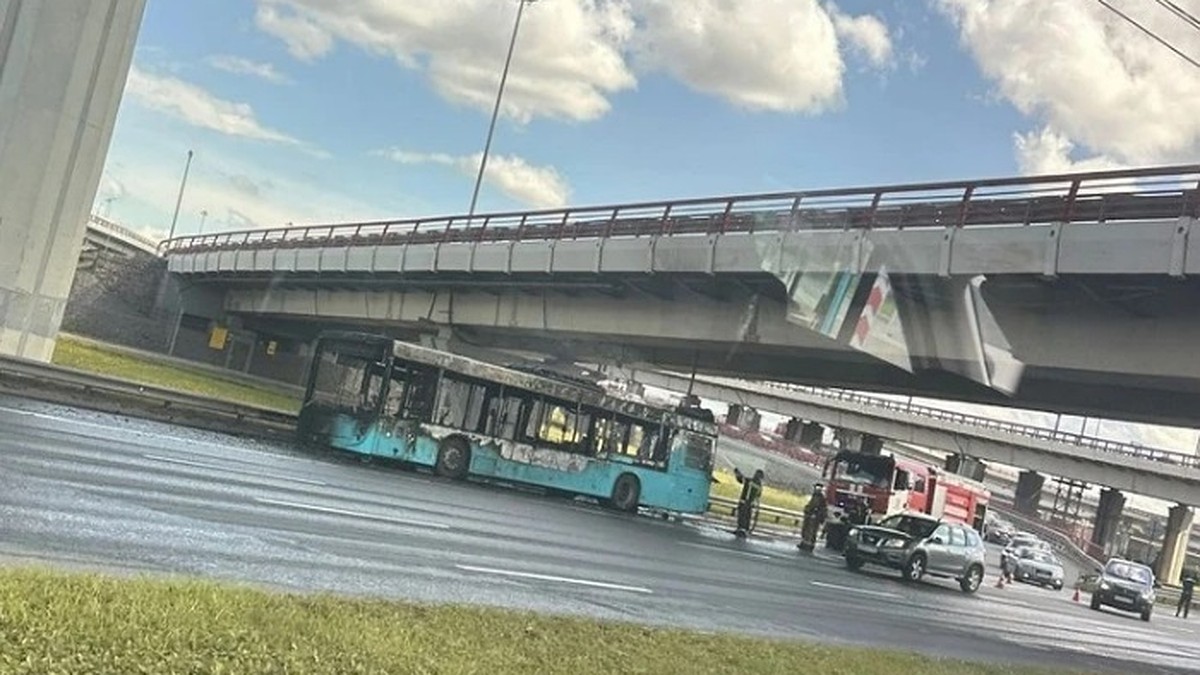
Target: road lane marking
<point x="347" y="512"/>
<point x="720" y="549"/>
<point x="551" y="577"/>
<point x="851" y="589"/>
<point x="218" y="467"/>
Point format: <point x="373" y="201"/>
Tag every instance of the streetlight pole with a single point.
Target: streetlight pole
<point x="487" y="146"/>
<point x="179" y="200"/>
<point x="203" y="217"/>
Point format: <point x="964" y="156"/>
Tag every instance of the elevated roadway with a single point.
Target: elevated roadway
<point x="1148" y="471"/>
<point x="1074" y="292"/>
<point x="93" y="491"/>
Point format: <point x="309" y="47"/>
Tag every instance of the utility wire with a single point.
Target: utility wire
<point x="1180" y="12"/>
<point x="1149" y="32"/>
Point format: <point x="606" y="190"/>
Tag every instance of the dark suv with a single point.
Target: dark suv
<point x="917" y="544"/>
<point x="1125" y="585"/>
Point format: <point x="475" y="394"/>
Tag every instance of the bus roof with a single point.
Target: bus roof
<point x="538" y="383"/>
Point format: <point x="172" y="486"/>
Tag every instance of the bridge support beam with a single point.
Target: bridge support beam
<point x="965" y="465"/>
<point x="62" y="71"/>
<point x="808" y="434"/>
<point x="1108" y="517"/>
<point x="1175" y="544"/>
<point x="743" y="417"/>
<point x="1029" y="492"/>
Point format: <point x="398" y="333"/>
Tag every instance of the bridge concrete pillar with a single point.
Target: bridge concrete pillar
<point x="965" y="465"/>
<point x="742" y="417"/>
<point x="1175" y="544"/>
<point x="1029" y="492"/>
<point x="1108" y="516"/>
<point x="871" y="444"/>
<point x="62" y="71"/>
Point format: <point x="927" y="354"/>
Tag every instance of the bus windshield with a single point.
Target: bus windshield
<point x="862" y="469"/>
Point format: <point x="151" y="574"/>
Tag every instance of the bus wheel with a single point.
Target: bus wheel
<point x="626" y="493"/>
<point x="454" y="458"/>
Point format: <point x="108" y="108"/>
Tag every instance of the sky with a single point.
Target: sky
<point x="302" y="111"/>
<point x="308" y="111"/>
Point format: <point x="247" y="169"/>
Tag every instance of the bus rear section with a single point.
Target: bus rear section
<point x="466" y="418"/>
<point x="345" y="391"/>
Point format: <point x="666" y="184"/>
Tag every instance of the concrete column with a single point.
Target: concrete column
<point x="871" y="445"/>
<point x="1029" y="492"/>
<point x="1175" y="544"/>
<point x="62" y="71"/>
<point x="965" y="465"/>
<point x="1108" y="516"/>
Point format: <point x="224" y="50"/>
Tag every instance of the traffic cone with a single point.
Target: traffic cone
<point x="1075" y="598"/>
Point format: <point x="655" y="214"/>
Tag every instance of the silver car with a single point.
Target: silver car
<point x="1037" y="566"/>
<point x="919" y="545"/>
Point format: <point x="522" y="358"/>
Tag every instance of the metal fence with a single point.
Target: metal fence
<point x="1164" y="192"/>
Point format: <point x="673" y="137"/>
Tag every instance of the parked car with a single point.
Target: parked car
<point x="1127" y="586"/>
<point x="919" y="545"/>
<point x="998" y="532"/>
<point x="1035" y="566"/>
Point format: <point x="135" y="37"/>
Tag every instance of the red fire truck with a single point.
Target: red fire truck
<point x="859" y="485"/>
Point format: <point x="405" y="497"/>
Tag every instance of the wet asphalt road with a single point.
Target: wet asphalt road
<point x="101" y="491"/>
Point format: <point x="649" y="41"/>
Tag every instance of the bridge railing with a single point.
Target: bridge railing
<point x="1102" y="444"/>
<point x="122" y="233"/>
<point x="1156" y="193"/>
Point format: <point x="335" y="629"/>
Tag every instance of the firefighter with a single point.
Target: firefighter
<point x="815" y="512"/>
<point x="1185" y="595"/>
<point x="747" y="508"/>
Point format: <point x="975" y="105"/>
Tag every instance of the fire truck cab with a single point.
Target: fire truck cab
<point x="865" y="487"/>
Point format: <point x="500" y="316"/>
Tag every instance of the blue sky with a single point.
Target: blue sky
<point x="298" y="113"/>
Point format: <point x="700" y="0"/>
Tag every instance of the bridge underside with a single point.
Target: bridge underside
<point x="1114" y="346"/>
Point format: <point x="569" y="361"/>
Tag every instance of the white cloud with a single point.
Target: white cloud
<point x="866" y="34"/>
<point x="567" y="63"/>
<point x="775" y="55"/>
<point x="243" y="66"/>
<point x="199" y="107"/>
<point x="1089" y="77"/>
<point x="537" y="186"/>
<point x="572" y="56"/>
<point x="1049" y="152"/>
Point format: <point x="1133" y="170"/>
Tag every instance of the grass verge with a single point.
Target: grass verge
<point x="728" y="487"/>
<point x="96" y="359"/>
<point x="56" y="622"/>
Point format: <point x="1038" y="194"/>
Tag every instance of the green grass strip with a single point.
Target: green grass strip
<point x="66" y="622"/>
<point x="96" y="359"/>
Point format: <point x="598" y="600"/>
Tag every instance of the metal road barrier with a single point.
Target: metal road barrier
<point x="766" y="514"/>
<point x="1102" y="444"/>
<point x="20" y="377"/>
<point x="1104" y="196"/>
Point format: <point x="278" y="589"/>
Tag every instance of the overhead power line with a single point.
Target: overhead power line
<point x="1147" y="31"/>
<point x="1180" y="12"/>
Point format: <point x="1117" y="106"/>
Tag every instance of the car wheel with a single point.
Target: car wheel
<point x="1146" y="614"/>
<point x="914" y="569"/>
<point x="1095" y="602"/>
<point x="853" y="562"/>
<point x="626" y="493"/>
<point x="454" y="458"/>
<point x="1058" y="586"/>
<point x="972" y="581"/>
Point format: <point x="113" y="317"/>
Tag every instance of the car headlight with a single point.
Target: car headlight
<point x="1104" y="585"/>
<point x="1147" y="594"/>
<point x="853" y="532"/>
<point x="894" y="543"/>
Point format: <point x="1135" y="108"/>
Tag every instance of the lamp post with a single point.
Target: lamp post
<point x="203" y="217"/>
<point x="487" y="146"/>
<point x="179" y="199"/>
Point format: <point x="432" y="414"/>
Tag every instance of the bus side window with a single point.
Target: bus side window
<point x="902" y="482"/>
<point x="919" y="484"/>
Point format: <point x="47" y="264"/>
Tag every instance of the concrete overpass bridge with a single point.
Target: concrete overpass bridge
<point x="104" y="236"/>
<point x="1076" y="293"/>
<point x="1119" y="467"/>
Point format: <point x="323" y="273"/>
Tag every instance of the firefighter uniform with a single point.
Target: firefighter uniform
<point x="747" y="510"/>
<point x="815" y="513"/>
